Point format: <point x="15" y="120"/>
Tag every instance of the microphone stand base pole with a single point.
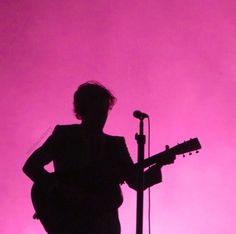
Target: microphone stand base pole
<point x="140" y="138"/>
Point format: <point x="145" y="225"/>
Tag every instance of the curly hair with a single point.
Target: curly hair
<point x="89" y="94"/>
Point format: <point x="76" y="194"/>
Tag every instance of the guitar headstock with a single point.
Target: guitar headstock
<point x="187" y="146"/>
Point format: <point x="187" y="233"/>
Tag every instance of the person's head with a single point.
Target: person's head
<point x="92" y="101"/>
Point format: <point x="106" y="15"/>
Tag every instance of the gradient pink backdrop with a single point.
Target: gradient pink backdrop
<point x="172" y="59"/>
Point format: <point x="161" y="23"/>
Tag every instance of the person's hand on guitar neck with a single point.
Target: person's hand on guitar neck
<point x="169" y="158"/>
<point x="153" y="174"/>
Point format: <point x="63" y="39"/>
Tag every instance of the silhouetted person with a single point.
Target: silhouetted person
<point x="83" y="195"/>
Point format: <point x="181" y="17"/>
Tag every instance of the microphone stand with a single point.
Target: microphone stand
<point x="140" y="138"/>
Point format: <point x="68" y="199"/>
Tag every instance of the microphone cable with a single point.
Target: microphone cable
<point x="149" y="189"/>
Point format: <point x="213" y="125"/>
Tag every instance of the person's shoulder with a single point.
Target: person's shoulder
<point x="66" y="128"/>
<point x="114" y="137"/>
<point x="116" y="141"/>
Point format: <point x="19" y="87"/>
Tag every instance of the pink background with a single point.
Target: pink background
<point x="172" y="59"/>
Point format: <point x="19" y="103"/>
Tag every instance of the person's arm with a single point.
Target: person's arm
<point x="152" y="175"/>
<point x="34" y="166"/>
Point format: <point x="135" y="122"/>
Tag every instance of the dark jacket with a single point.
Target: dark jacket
<point x="97" y="165"/>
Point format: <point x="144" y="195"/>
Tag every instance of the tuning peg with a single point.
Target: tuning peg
<point x="183" y="155"/>
<point x="197" y="152"/>
<point x="190" y="153"/>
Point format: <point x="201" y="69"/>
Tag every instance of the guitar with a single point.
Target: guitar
<point x="49" y="203"/>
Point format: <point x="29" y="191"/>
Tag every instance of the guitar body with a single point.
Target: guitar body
<point x="50" y="208"/>
<point x="60" y="207"/>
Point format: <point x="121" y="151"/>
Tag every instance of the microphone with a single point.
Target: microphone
<point x="140" y="115"/>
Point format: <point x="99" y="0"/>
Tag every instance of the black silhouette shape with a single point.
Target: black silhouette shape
<point x="83" y="195"/>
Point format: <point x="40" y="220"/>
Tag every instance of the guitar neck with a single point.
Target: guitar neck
<point x="188" y="146"/>
<point x="155" y="159"/>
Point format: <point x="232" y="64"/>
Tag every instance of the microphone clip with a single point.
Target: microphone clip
<point x="140" y="115"/>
